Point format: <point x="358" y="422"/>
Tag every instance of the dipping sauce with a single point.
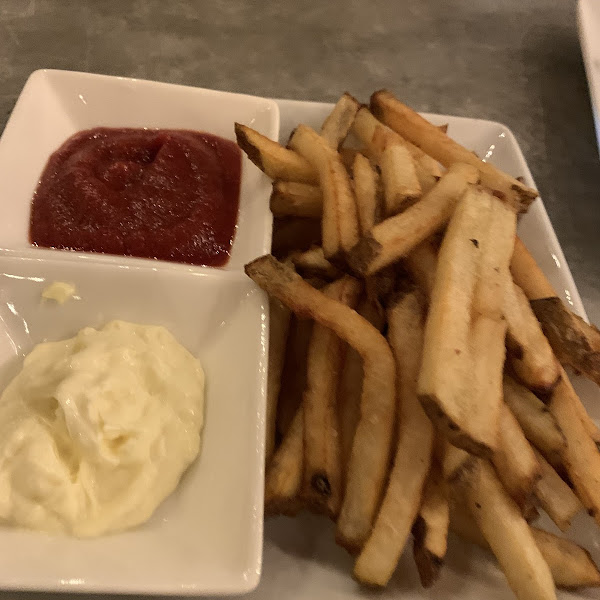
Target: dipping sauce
<point x="165" y="194"/>
<point x="96" y="430"/>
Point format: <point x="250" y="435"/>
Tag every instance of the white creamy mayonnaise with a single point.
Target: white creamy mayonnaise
<point x="96" y="430"/>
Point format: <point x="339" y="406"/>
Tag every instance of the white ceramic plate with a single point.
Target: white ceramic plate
<point x="301" y="559"/>
<point x="207" y="537"/>
<point x="588" y="19"/>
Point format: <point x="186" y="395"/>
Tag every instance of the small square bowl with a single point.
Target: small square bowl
<point x="206" y="538"/>
<point x="56" y="104"/>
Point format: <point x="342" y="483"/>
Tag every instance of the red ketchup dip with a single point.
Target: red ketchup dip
<point x="154" y="193"/>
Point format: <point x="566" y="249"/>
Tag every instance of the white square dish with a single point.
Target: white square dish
<point x="207" y="536"/>
<point x="56" y="104"/>
<point x="301" y="559"/>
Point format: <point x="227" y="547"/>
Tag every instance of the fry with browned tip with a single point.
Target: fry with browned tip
<point x="372" y="441"/>
<point x="337" y="124"/>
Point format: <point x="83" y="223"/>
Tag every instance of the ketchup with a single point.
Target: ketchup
<point x="165" y="194"/>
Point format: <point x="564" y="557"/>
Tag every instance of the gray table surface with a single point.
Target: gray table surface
<point x="514" y="61"/>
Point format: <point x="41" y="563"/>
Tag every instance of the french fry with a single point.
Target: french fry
<point x="272" y="158"/>
<point x="376" y="137"/>
<point x="536" y="420"/>
<point x="372" y="441"/>
<point x="283" y="479"/>
<point x="581" y="458"/>
<point x="575" y="343"/>
<point x="555" y="496"/>
<point x="379" y="556"/>
<point x="340" y="219"/>
<point x="322" y="488"/>
<point x="348" y="156"/>
<point x="293" y="234"/>
<point x="351" y="381"/>
<point x="438" y="145"/>
<point x="531" y="358"/>
<point x="509" y="536"/>
<point x="571" y="565"/>
<point x="528" y="275"/>
<point x="366" y="182"/>
<point x="290" y="198"/>
<point x="312" y="263"/>
<point x="401" y="187"/>
<point x="430" y="529"/>
<point x="293" y="377"/>
<point x="458" y="409"/>
<point x="279" y="323"/>
<point x="398" y="235"/>
<point x="422" y="264"/>
<point x="338" y="123"/>
<point x="515" y="461"/>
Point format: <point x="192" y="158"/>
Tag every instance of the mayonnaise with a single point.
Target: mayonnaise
<point x="96" y="430"/>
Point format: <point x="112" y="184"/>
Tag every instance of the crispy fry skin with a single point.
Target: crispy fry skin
<point x="340" y="218"/>
<point x="509" y="536"/>
<point x="379" y="556"/>
<point x="322" y="489"/>
<point x="398" y="235"/>
<point x="555" y="496"/>
<point x="272" y="158"/>
<point x="340" y="119"/>
<point x="372" y="442"/>
<point x="366" y="183"/>
<point x="437" y="144"/>
<point x="293" y="199"/>
<point x="515" y="461"/>
<point x="430" y="529"/>
<point x="279" y="323"/>
<point x="536" y="420"/>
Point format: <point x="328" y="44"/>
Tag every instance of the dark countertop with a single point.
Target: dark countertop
<point x="514" y="61"/>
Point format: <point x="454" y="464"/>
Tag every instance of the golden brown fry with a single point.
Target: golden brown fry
<point x="555" y="496"/>
<point x="340" y="219"/>
<point x="531" y="358"/>
<point x="430" y="529"/>
<point x="372" y="441"/>
<point x="574" y="341"/>
<point x="457" y="464"/>
<point x="528" y="275"/>
<point x="536" y="420"/>
<point x="366" y="181"/>
<point x="509" y="536"/>
<point x="571" y="566"/>
<point x="351" y="381"/>
<point x="376" y="137"/>
<point x="457" y="392"/>
<point x="283" y="478"/>
<point x="293" y="234"/>
<point x="580" y="456"/>
<point x="293" y="378"/>
<point x="379" y="556"/>
<point x="322" y="487"/>
<point x="437" y="144"/>
<point x="401" y="187"/>
<point x="422" y="265"/>
<point x="312" y="263"/>
<point x="290" y="198"/>
<point x="398" y="235"/>
<point x="515" y="461"/>
<point x="338" y="123"/>
<point x="279" y="323"/>
<point x="272" y="158"/>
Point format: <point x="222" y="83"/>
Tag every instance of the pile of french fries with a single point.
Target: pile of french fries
<point x="416" y="367"/>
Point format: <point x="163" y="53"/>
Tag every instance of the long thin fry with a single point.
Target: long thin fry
<point x="338" y="123"/>
<point x="322" y="487"/>
<point x="372" y="441"/>
<point x="398" y="235"/>
<point x="436" y="143"/>
<point x="401" y="186"/>
<point x="290" y="198"/>
<point x="366" y="181"/>
<point x="279" y="322"/>
<point x="528" y="275"/>
<point x="379" y="556"/>
<point x="272" y="158"/>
